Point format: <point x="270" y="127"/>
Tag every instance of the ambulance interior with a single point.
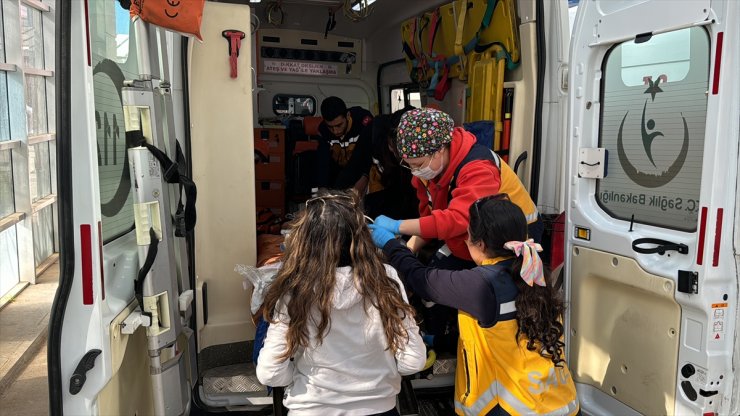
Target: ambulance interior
<point x="305" y="51"/>
<point x="246" y="102"/>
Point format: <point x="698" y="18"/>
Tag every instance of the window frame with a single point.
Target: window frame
<point x="294" y="96"/>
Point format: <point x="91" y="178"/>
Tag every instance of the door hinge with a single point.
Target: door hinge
<point x="688" y="281"/>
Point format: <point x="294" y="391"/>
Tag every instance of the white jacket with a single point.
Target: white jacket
<point x="352" y="372"/>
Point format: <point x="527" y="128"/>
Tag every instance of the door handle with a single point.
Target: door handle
<point x="80" y="375"/>
<point x="661" y="246"/>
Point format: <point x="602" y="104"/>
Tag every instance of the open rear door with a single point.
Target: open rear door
<point x="120" y="340"/>
<point x="652" y="204"/>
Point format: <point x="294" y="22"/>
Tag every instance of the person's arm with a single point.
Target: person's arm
<point x="272" y="370"/>
<point x="410" y="357"/>
<point x="415" y="243"/>
<point x="409" y="227"/>
<point x="475" y="180"/>
<point x="361" y="185"/>
<point x="466" y="290"/>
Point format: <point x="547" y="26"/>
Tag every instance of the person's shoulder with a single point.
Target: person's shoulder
<point x="390" y="271"/>
<point x="494" y="271"/>
<point x="361" y="116"/>
<point x="324" y="130"/>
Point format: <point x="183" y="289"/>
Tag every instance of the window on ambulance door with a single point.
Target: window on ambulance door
<point x="113" y="62"/>
<point x="654" y="107"/>
<point x="403" y="96"/>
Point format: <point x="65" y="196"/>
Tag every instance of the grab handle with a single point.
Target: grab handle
<point x="661" y="246"/>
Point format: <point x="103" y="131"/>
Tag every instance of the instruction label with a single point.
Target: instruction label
<point x="299" y="68"/>
<point x="719" y="312"/>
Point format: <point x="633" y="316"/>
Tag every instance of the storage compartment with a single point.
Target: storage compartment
<point x="273" y="168"/>
<point x="269" y="168"/>
<point x="269" y="141"/>
<point x="270" y="194"/>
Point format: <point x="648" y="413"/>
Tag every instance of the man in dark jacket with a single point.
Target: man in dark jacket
<point x="344" y="155"/>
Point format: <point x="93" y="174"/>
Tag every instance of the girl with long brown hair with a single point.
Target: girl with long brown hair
<point x="341" y="330"/>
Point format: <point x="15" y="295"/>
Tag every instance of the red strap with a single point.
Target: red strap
<point x="234" y="37"/>
<point x="433" y="31"/>
<point x="443" y="85"/>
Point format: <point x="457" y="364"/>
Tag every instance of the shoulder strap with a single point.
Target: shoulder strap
<point x="477" y="152"/>
<point x="498" y="276"/>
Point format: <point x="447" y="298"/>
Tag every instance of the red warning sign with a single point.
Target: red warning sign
<point x="716" y="336"/>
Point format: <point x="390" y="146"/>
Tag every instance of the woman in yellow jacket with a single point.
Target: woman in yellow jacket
<point x="510" y="350"/>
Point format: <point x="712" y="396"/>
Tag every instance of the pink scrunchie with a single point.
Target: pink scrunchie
<point x="531" y="272"/>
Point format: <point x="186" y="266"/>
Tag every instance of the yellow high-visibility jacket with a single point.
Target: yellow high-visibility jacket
<point x="493" y="369"/>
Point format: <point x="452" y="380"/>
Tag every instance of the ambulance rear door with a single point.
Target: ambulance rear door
<point x="652" y="195"/>
<point x="120" y="336"/>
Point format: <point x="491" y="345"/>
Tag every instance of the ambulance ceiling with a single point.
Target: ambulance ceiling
<point x="312" y="15"/>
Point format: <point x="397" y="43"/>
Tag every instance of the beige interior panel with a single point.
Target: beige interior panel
<point x="625" y="327"/>
<point x="524" y="81"/>
<point x="129" y="392"/>
<point x="223" y="169"/>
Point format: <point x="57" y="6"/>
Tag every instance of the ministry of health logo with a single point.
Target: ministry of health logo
<point x="649" y="133"/>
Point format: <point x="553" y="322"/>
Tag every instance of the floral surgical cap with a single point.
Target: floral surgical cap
<point x="422" y="131"/>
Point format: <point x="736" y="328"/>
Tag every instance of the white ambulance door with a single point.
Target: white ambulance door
<point x="652" y="172"/>
<point x="105" y="356"/>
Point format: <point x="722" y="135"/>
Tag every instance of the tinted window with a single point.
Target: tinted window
<point x="654" y="107"/>
<point x="113" y="62"/>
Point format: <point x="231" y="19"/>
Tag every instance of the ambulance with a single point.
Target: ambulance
<point x="180" y="151"/>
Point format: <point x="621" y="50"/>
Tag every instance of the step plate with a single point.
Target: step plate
<point x="238" y="378"/>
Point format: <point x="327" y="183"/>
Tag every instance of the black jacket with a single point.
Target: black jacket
<point x="342" y="162"/>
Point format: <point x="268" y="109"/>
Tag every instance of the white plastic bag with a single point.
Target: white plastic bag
<point x="261" y="278"/>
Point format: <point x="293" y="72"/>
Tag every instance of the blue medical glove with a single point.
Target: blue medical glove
<point x="388" y="223"/>
<point x="380" y="235"/>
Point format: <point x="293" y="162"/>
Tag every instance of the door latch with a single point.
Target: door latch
<point x="688" y="281"/>
<point x="80" y="375"/>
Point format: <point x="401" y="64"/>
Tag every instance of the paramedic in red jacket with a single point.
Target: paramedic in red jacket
<point x="451" y="171"/>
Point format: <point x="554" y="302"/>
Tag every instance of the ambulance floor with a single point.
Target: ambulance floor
<point x="436" y="404"/>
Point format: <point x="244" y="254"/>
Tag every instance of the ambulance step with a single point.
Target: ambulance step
<point x="436" y="402"/>
<point x="238" y="378"/>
